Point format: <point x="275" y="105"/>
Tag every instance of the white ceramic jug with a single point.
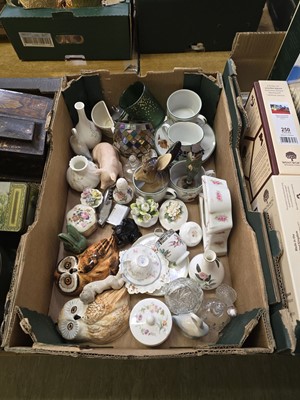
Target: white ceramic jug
<point x="82" y="173"/>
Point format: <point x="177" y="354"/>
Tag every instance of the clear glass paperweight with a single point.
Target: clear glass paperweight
<point x="183" y="295"/>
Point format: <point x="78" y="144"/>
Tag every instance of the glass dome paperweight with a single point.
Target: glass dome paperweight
<point x="183" y="295"/>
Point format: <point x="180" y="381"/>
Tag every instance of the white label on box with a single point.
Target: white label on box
<point x="284" y="124"/>
<point x="34" y="39"/>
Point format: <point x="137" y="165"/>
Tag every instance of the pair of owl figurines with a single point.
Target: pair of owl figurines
<point x="101" y="312"/>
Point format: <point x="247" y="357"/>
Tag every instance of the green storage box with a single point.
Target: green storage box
<point x="92" y="33"/>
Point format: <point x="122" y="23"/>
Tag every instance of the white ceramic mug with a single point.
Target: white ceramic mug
<point x="185" y="105"/>
<point x="173" y="248"/>
<point x="188" y="133"/>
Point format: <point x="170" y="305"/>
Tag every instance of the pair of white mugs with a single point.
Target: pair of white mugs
<point x="184" y="121"/>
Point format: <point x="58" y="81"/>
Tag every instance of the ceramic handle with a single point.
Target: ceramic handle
<point x="170" y="194"/>
<point x="200" y="118"/>
<point x="165" y="127"/>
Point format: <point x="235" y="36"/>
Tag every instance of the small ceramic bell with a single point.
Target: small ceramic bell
<point x="191" y="325"/>
<point x="123" y="193"/>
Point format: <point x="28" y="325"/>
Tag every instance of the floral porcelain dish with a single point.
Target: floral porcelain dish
<point x="150" y="322"/>
<point x="175" y="270"/>
<point x="144" y="271"/>
<point x="91" y="197"/>
<point x="173" y="214"/>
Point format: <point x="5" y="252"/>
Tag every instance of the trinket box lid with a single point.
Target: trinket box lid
<point x="150" y="322"/>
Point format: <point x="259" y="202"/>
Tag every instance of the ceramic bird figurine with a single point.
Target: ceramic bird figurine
<point x="80" y="148"/>
<point x="73" y="240"/>
<point x="191" y="325"/>
<point x="96" y="262"/>
<point x="102" y="321"/>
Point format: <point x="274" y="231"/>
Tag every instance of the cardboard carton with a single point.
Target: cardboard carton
<point x="280" y="200"/>
<point x="271" y="144"/>
<point x="91" y="33"/>
<point x="194" y="25"/>
<point x="250" y="62"/>
<point x="34" y="302"/>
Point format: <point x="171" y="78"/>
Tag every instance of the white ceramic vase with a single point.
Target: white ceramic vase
<point x="86" y="130"/>
<point x="82" y="173"/>
<point x="207" y="269"/>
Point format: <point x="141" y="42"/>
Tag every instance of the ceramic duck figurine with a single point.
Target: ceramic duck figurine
<point x="191" y="325"/>
<point x="73" y="240"/>
<point x="79" y="147"/>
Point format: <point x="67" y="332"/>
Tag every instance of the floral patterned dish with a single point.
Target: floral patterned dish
<point x="173" y="214"/>
<point x="149" y="283"/>
<point x="174" y="271"/>
<point x="150" y="322"/>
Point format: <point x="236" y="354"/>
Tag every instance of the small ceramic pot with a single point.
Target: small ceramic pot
<point x="150" y="322"/>
<point x="185" y="193"/>
<point x="172" y="247"/>
<point x="191" y="233"/>
<point x="164" y="192"/>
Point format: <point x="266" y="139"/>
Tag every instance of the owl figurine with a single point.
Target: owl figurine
<point x="95" y="263"/>
<point x="100" y="322"/>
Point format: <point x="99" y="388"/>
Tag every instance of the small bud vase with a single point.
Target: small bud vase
<point x="86" y="130"/>
<point x="207" y="269"/>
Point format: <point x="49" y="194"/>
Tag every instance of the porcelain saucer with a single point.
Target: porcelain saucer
<point x="208" y="143"/>
<point x="181" y="218"/>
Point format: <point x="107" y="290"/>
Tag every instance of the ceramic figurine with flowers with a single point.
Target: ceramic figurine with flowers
<point x="144" y="212"/>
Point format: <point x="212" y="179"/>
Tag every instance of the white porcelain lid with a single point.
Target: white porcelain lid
<point x="150" y="322"/>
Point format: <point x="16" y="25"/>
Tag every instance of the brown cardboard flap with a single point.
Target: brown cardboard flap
<point x="254" y="54"/>
<point x="38" y="326"/>
<point x="239" y="328"/>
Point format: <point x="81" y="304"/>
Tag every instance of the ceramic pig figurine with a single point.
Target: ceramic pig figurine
<point x="110" y="167"/>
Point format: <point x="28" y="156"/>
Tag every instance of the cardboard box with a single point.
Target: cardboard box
<point x="91" y="33"/>
<point x="34" y="301"/>
<point x="201" y="26"/>
<point x="280" y="199"/>
<point x="271" y="144"/>
<point x="250" y="62"/>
